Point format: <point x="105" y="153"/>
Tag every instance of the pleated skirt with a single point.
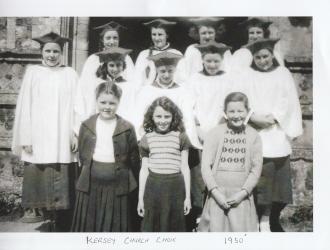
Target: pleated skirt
<point x="49" y="186"/>
<point x="101" y="210"/>
<point x="164" y="203"/>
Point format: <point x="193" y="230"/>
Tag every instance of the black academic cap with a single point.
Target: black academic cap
<point x="51" y="38"/>
<point x="206" y="21"/>
<point x="255" y="21"/>
<point x="268" y="43"/>
<point x="159" y="23"/>
<point x="165" y="58"/>
<point x="113" y="53"/>
<point x="213" y="47"/>
<point x="111" y="26"/>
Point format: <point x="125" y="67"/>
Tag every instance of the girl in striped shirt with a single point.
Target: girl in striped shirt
<point x="164" y="193"/>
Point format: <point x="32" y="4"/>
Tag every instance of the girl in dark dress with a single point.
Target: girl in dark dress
<point x="110" y="163"/>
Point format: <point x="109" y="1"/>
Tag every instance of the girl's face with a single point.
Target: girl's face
<point x="255" y="33"/>
<point x="158" y="37"/>
<point x="165" y="74"/>
<point x="212" y="63"/>
<point x="110" y="39"/>
<point x="115" y="68"/>
<point x="162" y="119"/>
<point x="51" y="54"/>
<point x="206" y="34"/>
<point x="236" y="113"/>
<point x="263" y="59"/>
<point x="107" y="105"/>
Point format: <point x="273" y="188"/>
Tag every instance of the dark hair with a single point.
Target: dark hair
<point x="236" y="97"/>
<point x="259" y="25"/>
<point x="101" y="36"/>
<point x="102" y="71"/>
<point x="108" y="88"/>
<point x="169" y="106"/>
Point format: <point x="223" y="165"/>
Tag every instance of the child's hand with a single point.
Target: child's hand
<point x="220" y="199"/>
<point x="237" y="198"/>
<point x="74" y="144"/>
<point x="140" y="208"/>
<point x="187" y="206"/>
<point x="28" y="149"/>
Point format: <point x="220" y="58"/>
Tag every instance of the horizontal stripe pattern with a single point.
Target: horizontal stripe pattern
<point x="164" y="151"/>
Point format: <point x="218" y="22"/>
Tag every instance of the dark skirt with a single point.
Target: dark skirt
<point x="275" y="181"/>
<point x="164" y="203"/>
<point x="49" y="186"/>
<point x="101" y="210"/>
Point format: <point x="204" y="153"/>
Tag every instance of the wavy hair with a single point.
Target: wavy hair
<point x="169" y="106"/>
<point x="102" y="71"/>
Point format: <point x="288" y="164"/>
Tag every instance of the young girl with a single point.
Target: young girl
<point x="110" y="161"/>
<point x="231" y="166"/>
<point x="44" y="135"/>
<point x="277" y="115"/>
<point x="164" y="193"/>
<point x="111" y="69"/>
<point x="204" y="30"/>
<point x="256" y="29"/>
<point x="145" y="71"/>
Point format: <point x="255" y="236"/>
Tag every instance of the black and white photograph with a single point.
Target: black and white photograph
<point x="140" y="124"/>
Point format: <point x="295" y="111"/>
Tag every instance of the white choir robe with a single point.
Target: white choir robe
<point x="142" y="63"/>
<point x="194" y="63"/>
<point x="179" y="95"/>
<point x="49" y="110"/>
<point x="275" y="93"/>
<point x="126" y="103"/>
<point x="88" y="76"/>
<point x="242" y="58"/>
<point x="208" y="94"/>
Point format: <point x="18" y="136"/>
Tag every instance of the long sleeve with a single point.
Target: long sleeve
<point x="208" y="158"/>
<point x="256" y="165"/>
<point x="22" y="131"/>
<point x="288" y="112"/>
<point x="129" y="72"/>
<point x="134" y="154"/>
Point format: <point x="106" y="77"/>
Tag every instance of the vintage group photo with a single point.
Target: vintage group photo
<point x="156" y="124"/>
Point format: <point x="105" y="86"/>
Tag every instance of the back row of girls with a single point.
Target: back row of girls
<point x="175" y="121"/>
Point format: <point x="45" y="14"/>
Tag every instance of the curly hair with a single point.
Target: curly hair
<point x="102" y="71"/>
<point x="169" y="106"/>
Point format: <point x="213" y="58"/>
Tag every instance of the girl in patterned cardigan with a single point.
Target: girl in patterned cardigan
<point x="231" y="167"/>
<point x="164" y="193"/>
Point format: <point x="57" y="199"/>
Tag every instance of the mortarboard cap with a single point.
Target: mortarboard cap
<point x="113" y="53"/>
<point x="254" y="21"/>
<point x="51" y="38"/>
<point x="262" y="44"/>
<point x="206" y="21"/>
<point x="165" y="58"/>
<point x="111" y="26"/>
<point x="159" y="23"/>
<point x="213" y="47"/>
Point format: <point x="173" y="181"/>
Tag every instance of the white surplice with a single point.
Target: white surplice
<point x="179" y="95"/>
<point x="49" y="109"/>
<point x="209" y="93"/>
<point x="143" y="64"/>
<point x="275" y="93"/>
<point x="194" y="63"/>
<point x="88" y="76"/>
